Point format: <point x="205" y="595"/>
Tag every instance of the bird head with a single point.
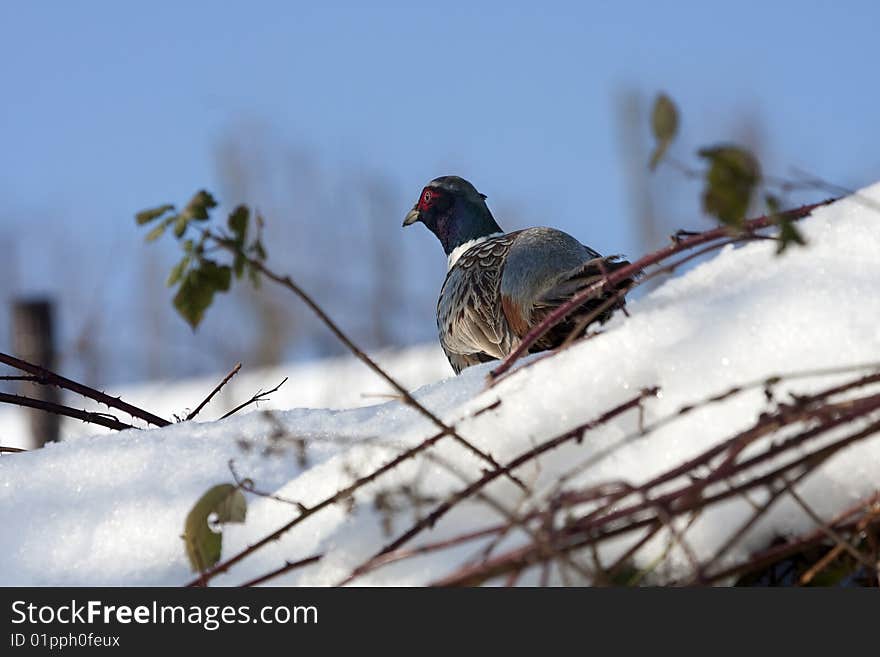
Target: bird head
<point x="454" y="211"/>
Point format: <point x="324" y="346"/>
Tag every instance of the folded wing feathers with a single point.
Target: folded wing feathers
<point x="478" y="323"/>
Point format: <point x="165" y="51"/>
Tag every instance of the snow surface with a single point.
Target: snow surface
<point x="108" y="509"/>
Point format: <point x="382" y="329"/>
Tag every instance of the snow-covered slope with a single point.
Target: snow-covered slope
<point x="109" y="509"/>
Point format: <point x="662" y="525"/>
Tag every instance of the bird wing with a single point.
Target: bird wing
<point x="473" y="329"/>
<point x="544" y="269"/>
<point x="501" y="288"/>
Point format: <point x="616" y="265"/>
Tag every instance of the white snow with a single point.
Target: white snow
<point x="108" y="509"/>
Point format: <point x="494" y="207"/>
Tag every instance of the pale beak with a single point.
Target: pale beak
<point x="411" y="217"/>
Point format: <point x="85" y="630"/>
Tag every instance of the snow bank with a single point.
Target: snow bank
<point x="109" y="509"/>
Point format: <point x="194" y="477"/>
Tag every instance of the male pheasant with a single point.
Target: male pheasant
<point x="499" y="285"/>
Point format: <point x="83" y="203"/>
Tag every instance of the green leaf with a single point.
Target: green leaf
<point x="788" y="232"/>
<point x="194" y="297"/>
<point x="788" y="235"/>
<point x="157" y="232"/>
<point x="626" y="575"/>
<point x="203" y="545"/>
<point x="664" y="118"/>
<point x="180" y="226"/>
<point x="238" y="265"/>
<point x="146" y="216"/>
<point x="238" y="223"/>
<point x="177" y="272"/>
<point x="225" y="277"/>
<point x="664" y="124"/>
<point x="731" y="179"/>
<point x="198" y="206"/>
<point x="218" y="276"/>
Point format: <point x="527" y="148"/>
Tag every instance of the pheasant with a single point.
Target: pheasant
<point x="500" y="285"/>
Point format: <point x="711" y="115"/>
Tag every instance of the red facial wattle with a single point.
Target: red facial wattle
<point x="427" y="199"/>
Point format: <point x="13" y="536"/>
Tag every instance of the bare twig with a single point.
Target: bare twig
<point x="286" y="568"/>
<point x="102" y="419"/>
<point x="85" y="391"/>
<point x="775" y="492"/>
<point x="806" y="409"/>
<point x="690" y="498"/>
<point x="258" y="397"/>
<point x="641" y="280"/>
<point x="843" y="523"/>
<point x="540" y="536"/>
<point x="248" y="486"/>
<point x="406" y="553"/>
<point x="28" y="377"/>
<point x="620" y="275"/>
<point x="210" y="396"/>
<point x="341" y="495"/>
<point x="872" y="514"/>
<point x="827" y="530"/>
<point x="513" y="520"/>
<point x="11" y="450"/>
<point x="429" y="520"/>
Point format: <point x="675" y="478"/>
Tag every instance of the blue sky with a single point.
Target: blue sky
<point x="110" y="107"/>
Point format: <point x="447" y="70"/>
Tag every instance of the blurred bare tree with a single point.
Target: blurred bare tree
<point x="632" y="117"/>
<point x="385" y="261"/>
<point x="337" y="232"/>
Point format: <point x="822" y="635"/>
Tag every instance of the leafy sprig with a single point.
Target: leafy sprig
<point x="731" y="178"/>
<point x="198" y="276"/>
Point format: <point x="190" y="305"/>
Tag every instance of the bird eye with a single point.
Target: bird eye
<point x="427" y="197"/>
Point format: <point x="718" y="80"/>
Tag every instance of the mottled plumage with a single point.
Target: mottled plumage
<point x="500" y="285"/>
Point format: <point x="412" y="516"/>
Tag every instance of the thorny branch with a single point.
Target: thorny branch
<point x="514" y="520"/>
<point x="611" y="280"/>
<point x="575" y="434"/>
<point x="286" y="568"/>
<point x="27" y="377"/>
<point x="102" y="419"/>
<point x="620" y="519"/>
<point x="51" y="378"/>
<point x="340" y="496"/>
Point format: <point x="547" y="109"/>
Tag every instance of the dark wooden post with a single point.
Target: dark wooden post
<point x="33" y="340"/>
